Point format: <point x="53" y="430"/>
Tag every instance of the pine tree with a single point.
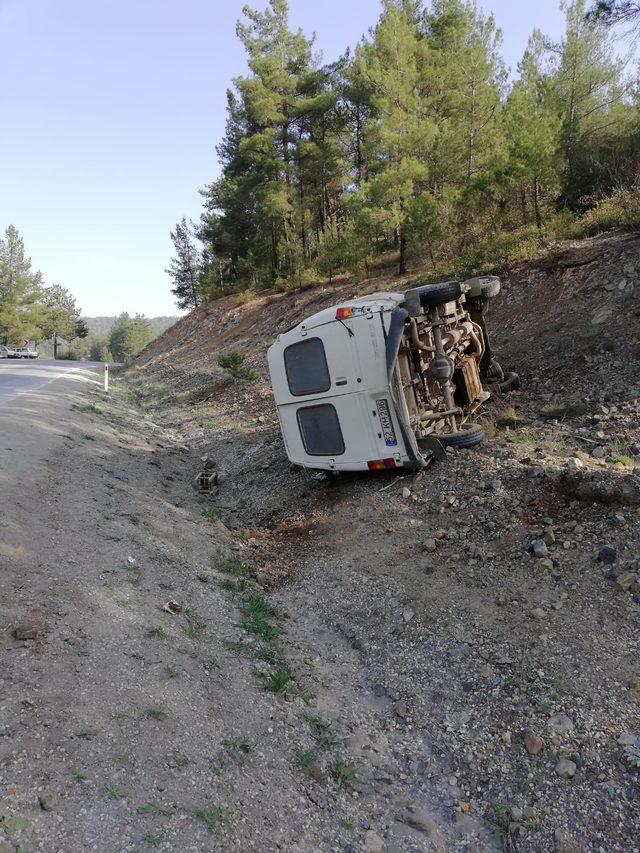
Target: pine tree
<point x="128" y="336"/>
<point x="404" y="129"/>
<point x="612" y="12"/>
<point x="61" y="315"/>
<point x="588" y="86"/>
<point x="20" y="291"/>
<point x="413" y="141"/>
<point x="532" y="130"/>
<point x="273" y="100"/>
<point x="185" y="267"/>
<point x="469" y="77"/>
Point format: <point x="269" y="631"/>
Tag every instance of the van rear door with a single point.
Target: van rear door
<point x="326" y="382"/>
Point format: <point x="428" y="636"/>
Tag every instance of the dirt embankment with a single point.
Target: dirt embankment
<point x="392" y="673"/>
<point x="503" y="685"/>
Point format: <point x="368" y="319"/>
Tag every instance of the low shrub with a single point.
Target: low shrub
<point x="233" y="363"/>
<point x="619" y="210"/>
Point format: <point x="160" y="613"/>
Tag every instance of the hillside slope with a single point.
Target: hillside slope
<point x="103" y="325"/>
<point x="480" y="683"/>
<point x="578" y="298"/>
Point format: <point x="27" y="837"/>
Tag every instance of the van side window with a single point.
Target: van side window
<point x="320" y="430"/>
<point x="307" y="369"/>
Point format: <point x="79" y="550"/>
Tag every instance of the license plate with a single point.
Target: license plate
<point x="386" y="423"/>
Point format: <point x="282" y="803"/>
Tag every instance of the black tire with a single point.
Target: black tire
<point x="494" y="374"/>
<point x="467" y="436"/>
<point x="438" y="294"/>
<point x="511" y="382"/>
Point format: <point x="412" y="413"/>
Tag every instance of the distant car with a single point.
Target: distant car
<point x="24" y="352"/>
<point x="7" y="352"/>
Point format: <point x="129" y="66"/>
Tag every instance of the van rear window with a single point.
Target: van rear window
<point x="320" y="430"/>
<point x="307" y="369"/>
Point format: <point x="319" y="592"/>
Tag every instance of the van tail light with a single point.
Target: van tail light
<point x="343" y="313"/>
<point x="381" y="464"/>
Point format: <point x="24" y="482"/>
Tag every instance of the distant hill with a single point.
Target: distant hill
<point x="102" y="325"/>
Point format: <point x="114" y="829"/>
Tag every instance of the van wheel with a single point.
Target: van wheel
<point x="511" y="382"/>
<point x="467" y="436"/>
<point x="485" y="285"/>
<point x="439" y="294"/>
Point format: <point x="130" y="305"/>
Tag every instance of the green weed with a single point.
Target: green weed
<point x="233" y="585"/>
<point x="275" y="682"/>
<point x="622" y="459"/>
<point x="114" y="793"/>
<point x="557" y="754"/>
<point x="231" y="566"/>
<point x="89" y="408"/>
<point x="258" y="606"/>
<point x="192" y="628"/>
<point x="156" y="713"/>
<point x="270" y="653"/>
<point x="154" y="809"/>
<point x="320" y="730"/>
<point x="305" y="757"/>
<point x="237" y="647"/>
<point x="212" y="818"/>
<point x="261" y="627"/>
<point x="499" y="818"/>
<point x="342" y="772"/>
<point x="528" y="783"/>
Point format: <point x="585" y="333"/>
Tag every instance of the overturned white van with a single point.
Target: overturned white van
<point x="386" y="380"/>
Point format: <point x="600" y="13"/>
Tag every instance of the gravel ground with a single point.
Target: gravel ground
<point x="454" y="654"/>
<point x="480" y="619"/>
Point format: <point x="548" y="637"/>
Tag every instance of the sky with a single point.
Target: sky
<point x="111" y="113"/>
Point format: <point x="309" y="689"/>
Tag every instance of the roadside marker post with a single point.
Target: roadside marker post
<point x="106" y="377"/>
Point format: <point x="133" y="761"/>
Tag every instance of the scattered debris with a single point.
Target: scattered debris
<point x="26" y="631"/>
<point x="206" y="480"/>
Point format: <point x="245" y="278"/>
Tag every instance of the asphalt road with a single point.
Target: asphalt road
<point x="18" y="376"/>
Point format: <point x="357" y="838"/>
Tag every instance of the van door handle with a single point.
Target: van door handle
<point x="341" y="380"/>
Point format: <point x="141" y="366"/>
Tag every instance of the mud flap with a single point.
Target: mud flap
<point x="431" y="445"/>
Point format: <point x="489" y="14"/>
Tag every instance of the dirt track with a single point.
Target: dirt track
<point x="124" y="727"/>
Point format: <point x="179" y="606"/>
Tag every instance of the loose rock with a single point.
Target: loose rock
<point x="539" y="548"/>
<point x="533" y="743"/>
<point x="373" y="843"/>
<point x="25" y="631"/>
<point x="565" y="768"/>
<point x="607" y="555"/>
<point x="48" y="800"/>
